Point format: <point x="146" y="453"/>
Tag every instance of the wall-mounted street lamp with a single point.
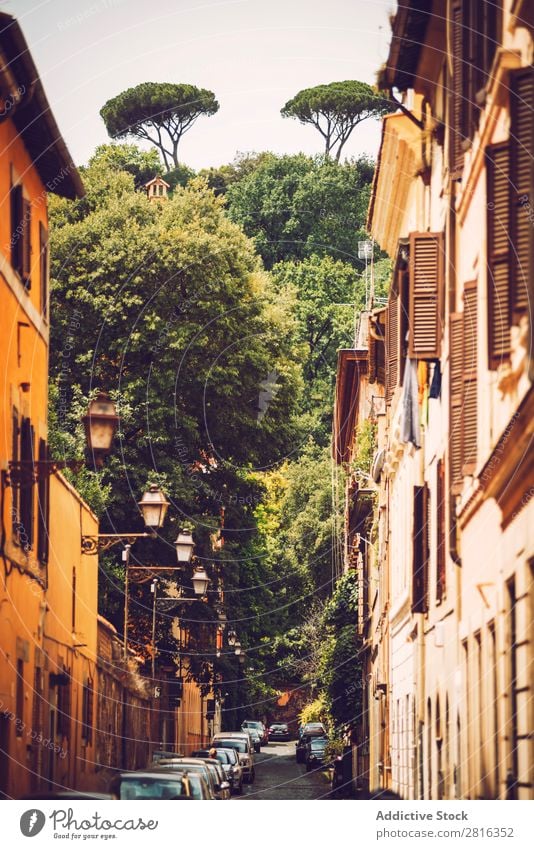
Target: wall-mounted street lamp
<point x="153" y="507"/>
<point x="184" y="546"/>
<point x="237" y="649"/>
<point x="200" y="581"/>
<point x="232" y="638"/>
<point x="100" y="423"/>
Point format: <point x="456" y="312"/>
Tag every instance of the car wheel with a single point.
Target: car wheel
<point x="308" y="767"/>
<point x="252" y="776"/>
<point x="239" y="790"/>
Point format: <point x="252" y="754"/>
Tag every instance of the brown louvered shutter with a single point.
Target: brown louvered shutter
<point x="16" y="228"/>
<point x="498" y="222"/>
<point x="456" y="345"/>
<point x="26" y="242"/>
<point x="440" y="532"/>
<point x="455" y="103"/>
<point x="470" y="384"/>
<point x="521" y="188"/>
<point x="392" y="346"/>
<point x="421" y="505"/>
<point x="372" y="352"/>
<point x="381" y="349"/>
<point x="426" y="288"/>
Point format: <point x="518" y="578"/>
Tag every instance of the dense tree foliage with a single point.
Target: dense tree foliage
<point x="166" y="307"/>
<point x="295" y="206"/>
<point x="335" y="110"/>
<point x="159" y="113"/>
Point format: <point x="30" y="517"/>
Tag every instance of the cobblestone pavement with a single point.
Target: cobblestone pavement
<point x="279" y="776"/>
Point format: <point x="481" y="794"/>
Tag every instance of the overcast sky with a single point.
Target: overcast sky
<point x="254" y="54"/>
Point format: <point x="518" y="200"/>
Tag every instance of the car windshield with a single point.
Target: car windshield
<point x="318" y="744"/>
<point x="152" y="788"/>
<point x="223" y="757"/>
<point x="238" y="745"/>
<point x="279" y="727"/>
<point x="230" y="754"/>
<point x="250" y="724"/>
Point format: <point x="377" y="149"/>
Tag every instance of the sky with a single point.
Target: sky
<point x="253" y="54"/>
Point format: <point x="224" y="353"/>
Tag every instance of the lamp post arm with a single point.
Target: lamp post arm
<point x="92" y="544"/>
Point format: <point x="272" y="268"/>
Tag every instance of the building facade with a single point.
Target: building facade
<point x="451" y="204"/>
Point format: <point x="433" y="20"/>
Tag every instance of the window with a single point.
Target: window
<point x="420" y="538"/>
<point x="20" y="234"/>
<point x="73" y="600"/>
<point x="498" y="267"/>
<point x="43" y="268"/>
<point x="15" y="458"/>
<point x="426" y="291"/>
<point x="511" y="689"/>
<point x="440" y="532"/>
<point x="63" y="704"/>
<point x="480" y="23"/>
<point x="43" y="495"/>
<point x="26" y="491"/>
<point x="521" y="190"/>
<point x="19" y="703"/>
<point x="470" y="383"/>
<point x="456" y="346"/>
<point x="87" y="713"/>
<point x="396" y="327"/>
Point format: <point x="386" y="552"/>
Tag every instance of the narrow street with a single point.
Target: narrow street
<point x="279" y="776"/>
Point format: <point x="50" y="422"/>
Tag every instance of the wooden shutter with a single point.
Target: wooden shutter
<point x="381" y="349"/>
<point x="26" y="490"/>
<point x="456" y="344"/>
<point x="16" y="231"/>
<point x="521" y="188"/>
<point x="403" y="288"/>
<point x="498" y="266"/>
<point x="440" y="532"/>
<point x="470" y="383"/>
<point x="43" y="268"/>
<point x="43" y="490"/>
<point x="26" y="243"/>
<point x="392" y="346"/>
<point x="426" y="290"/>
<point x="455" y="103"/>
<point x="420" y="537"/>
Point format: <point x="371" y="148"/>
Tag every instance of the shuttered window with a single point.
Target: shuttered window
<point x="470" y="384"/>
<point x="392" y="346"/>
<point x="421" y="508"/>
<point x="521" y="189"/>
<point x="377" y="340"/>
<point x="455" y="103"/>
<point x="27" y="456"/>
<point x="426" y="291"/>
<point x="440" y="532"/>
<point x="456" y="344"/>
<point x="43" y="268"/>
<point x="498" y="267"/>
<point x="43" y="489"/>
<point x="20" y="234"/>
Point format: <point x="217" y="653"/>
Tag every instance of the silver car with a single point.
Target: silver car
<point x="242" y="744"/>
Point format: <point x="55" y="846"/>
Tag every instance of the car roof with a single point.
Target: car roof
<point x="230" y="735"/>
<point x="158" y="771"/>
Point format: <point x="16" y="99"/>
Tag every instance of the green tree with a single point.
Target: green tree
<point x="141" y="164"/>
<point x="295" y="206"/>
<point x="166" y="307"/>
<point x="335" y="110"/>
<point x="159" y="113"/>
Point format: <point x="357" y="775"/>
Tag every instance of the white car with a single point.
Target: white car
<point x="241" y="743"/>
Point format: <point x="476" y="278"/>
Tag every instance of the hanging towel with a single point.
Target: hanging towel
<point x="435" y="388"/>
<point x="410" y="428"/>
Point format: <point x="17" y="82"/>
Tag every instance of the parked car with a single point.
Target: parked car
<point x="193" y="765"/>
<point x="255" y="736"/>
<point x="315" y="752"/>
<point x="259" y="726"/>
<point x="71" y="795"/>
<point x="158" y="783"/>
<point x="229" y="761"/>
<point x="313" y="728"/>
<point x="302" y="743"/>
<point x="279" y="731"/>
<point x="241" y="743"/>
